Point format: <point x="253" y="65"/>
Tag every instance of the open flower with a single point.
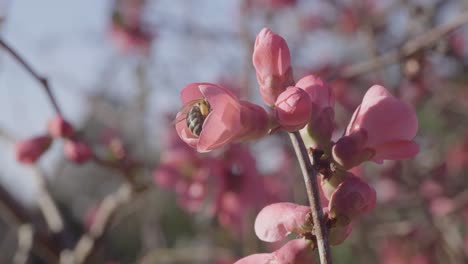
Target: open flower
<point x="223" y="120"/>
<point x="382" y="128"/>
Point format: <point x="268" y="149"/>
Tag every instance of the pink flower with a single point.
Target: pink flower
<point x="276" y="221"/>
<point x="77" y="151"/>
<point x="321" y="124"/>
<point x="381" y="128"/>
<point x="352" y="198"/>
<point x="228" y="119"/>
<point x="59" y="127"/>
<point x="272" y="62"/>
<point x="30" y="150"/>
<point x="293" y="109"/>
<point x="295" y="251"/>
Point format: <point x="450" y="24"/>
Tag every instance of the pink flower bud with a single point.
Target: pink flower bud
<point x="329" y="185"/>
<point x="30" y="150"/>
<point x="226" y="119"/>
<point x="390" y="125"/>
<point x="293" y="109"/>
<point x="59" y="127"/>
<point x="321" y="124"/>
<point x="276" y="221"/>
<point x="352" y="198"/>
<point x="349" y="151"/>
<point x="272" y="62"/>
<point x="338" y="234"/>
<point x="76" y="151"/>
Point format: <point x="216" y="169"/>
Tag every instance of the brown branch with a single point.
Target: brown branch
<point x="42" y="80"/>
<point x="310" y="179"/>
<point x="106" y="211"/>
<point x="412" y="46"/>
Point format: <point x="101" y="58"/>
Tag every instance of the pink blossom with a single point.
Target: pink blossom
<point x="276" y="221"/>
<point x="30" y="150"/>
<point x="77" y="151"/>
<point x="293" y="108"/>
<point x="321" y="124"/>
<point x="59" y="127"/>
<point x="228" y="120"/>
<point x="295" y="251"/>
<point x="382" y="124"/>
<point x="352" y="198"/>
<point x="272" y="62"/>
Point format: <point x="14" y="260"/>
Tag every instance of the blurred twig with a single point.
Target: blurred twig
<point x="42" y="80"/>
<point x="420" y="42"/>
<point x="100" y="224"/>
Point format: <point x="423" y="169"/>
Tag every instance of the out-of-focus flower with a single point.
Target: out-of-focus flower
<point x="59" y="127"/>
<point x="352" y="198"/>
<point x="321" y="124"/>
<point x="381" y="128"/>
<point x="30" y="150"/>
<point x="293" y="109"/>
<point x="272" y="62"/>
<point x="222" y="117"/>
<point x="77" y="151"/>
<point x="457" y="156"/>
<point x="127" y="30"/>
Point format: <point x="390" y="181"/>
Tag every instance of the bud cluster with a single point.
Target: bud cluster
<point x="381" y="128"/>
<point x="29" y="151"/>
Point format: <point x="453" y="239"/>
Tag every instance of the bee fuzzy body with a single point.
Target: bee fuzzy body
<point x="196" y="116"/>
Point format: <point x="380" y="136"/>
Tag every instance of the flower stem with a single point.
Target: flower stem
<point x="310" y="180"/>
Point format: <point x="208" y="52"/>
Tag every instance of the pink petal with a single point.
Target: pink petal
<point x="395" y="150"/>
<point x="384" y="117"/>
<point x="295" y="251"/>
<point x="320" y="93"/>
<point x="184" y="132"/>
<point x="264" y="258"/>
<point x="191" y="92"/>
<point x="275" y="221"/>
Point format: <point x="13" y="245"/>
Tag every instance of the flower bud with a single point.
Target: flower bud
<point x="321" y="124"/>
<point x="76" y="151"/>
<point x="30" y="150"/>
<point x="293" y="109"/>
<point x="272" y="62"/>
<point x="329" y="185"/>
<point x="59" y="127"/>
<point x="352" y="198"/>
<point x="349" y="151"/>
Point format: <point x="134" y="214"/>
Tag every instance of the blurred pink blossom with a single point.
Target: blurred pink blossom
<point x="59" y="127"/>
<point x="30" y="150"/>
<point x="77" y="151"/>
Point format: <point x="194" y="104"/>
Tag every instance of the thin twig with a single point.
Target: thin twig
<point x="310" y="179"/>
<point x="101" y="223"/>
<point x="49" y="208"/>
<point x="412" y="46"/>
<point x="42" y="80"/>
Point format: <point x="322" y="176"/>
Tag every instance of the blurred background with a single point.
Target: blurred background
<point x="116" y="69"/>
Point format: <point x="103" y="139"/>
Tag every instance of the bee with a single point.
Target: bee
<point x="195" y="114"/>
